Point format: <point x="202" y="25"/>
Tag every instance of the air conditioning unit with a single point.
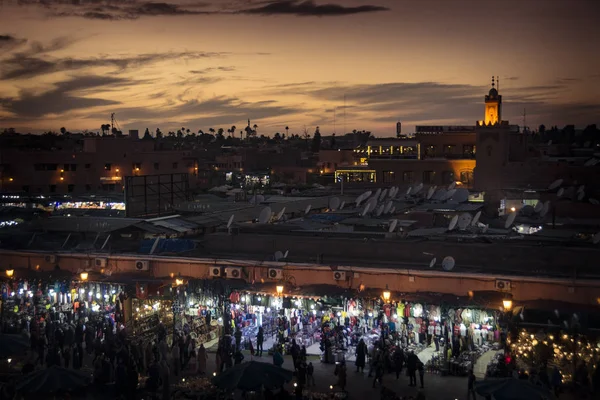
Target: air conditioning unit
<point x="502" y="285"/>
<point x="215" y="272"/>
<point x="233" y="272"/>
<point x="50" y="259"/>
<point x="100" y="262"/>
<point x="275" y="273"/>
<point x="142" y="265"/>
<point x="339" y="276"/>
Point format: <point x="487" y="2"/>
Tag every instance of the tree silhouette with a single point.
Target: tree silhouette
<point x="220" y="131"/>
<point x="254" y="129"/>
<point x="105" y="128"/>
<point x="316" y="142"/>
<point x="333" y="141"/>
<point x="63" y="130"/>
<point x="248" y="131"/>
<point x="179" y="133"/>
<point x="147" y="135"/>
<point x="212" y="131"/>
<point x="187" y="131"/>
<point x="233" y="128"/>
<point x="287" y="128"/>
<point x="158" y="133"/>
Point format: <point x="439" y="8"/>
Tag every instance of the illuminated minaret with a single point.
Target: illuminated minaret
<point x="493" y="105"/>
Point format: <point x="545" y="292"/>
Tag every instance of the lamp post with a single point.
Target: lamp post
<point x="176" y="305"/>
<point x="10" y="273"/>
<point x="84" y="276"/>
<point x="386" y="294"/>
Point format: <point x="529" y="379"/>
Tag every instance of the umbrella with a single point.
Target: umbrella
<point x="253" y="375"/>
<point x="11" y="345"/>
<point x="52" y="379"/>
<point x="512" y="389"/>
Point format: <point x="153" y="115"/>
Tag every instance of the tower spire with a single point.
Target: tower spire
<point x="493" y="84"/>
<point x="498" y="83"/>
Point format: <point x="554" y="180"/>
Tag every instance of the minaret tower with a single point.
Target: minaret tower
<point x="493" y="105"/>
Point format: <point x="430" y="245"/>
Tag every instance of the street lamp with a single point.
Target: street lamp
<point x="10" y="272"/>
<point x="84" y="276"/>
<point x="279" y="290"/>
<point x="386" y="294"/>
<point x="507" y="304"/>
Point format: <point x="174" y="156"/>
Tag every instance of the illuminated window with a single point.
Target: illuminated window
<point x="466" y="177"/>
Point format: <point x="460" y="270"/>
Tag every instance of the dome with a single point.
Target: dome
<point x="493" y="92"/>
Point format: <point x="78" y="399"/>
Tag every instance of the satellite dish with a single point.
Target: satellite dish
<point x="464" y="220"/>
<point x="476" y="218"/>
<point x="373" y="202"/>
<point x="452" y="186"/>
<point x="388" y="207"/>
<point x="359" y="200"/>
<point x="430" y="192"/>
<point x="334" y="203"/>
<point x="366" y="209"/>
<point x="510" y="220"/>
<point x="596" y="238"/>
<point x="432" y="262"/>
<point x="580" y="188"/>
<point x="230" y="221"/>
<point x="392" y="192"/>
<point x="549" y="142"/>
<point x="580" y="196"/>
<point x="408" y="191"/>
<point x="260" y="198"/>
<point x="418" y="188"/>
<point x="448" y="263"/>
<point x="453" y="223"/>
<point x="377" y="193"/>
<point x="460" y="195"/>
<point x="280" y="214"/>
<point x="560" y="192"/>
<point x="379" y="210"/>
<point x="555" y="184"/>
<point x="278" y="255"/>
<point x="285" y="255"/>
<point x="342" y="205"/>
<point x="538" y="207"/>
<point x="545" y="209"/>
<point x="450" y="193"/>
<point x="393" y="224"/>
<point x="393" y="210"/>
<point x="594" y="201"/>
<point x="383" y="194"/>
<point x="367" y="194"/>
<point x="265" y="215"/>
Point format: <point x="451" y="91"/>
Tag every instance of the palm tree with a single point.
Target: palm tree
<point x="212" y="131"/>
<point x="63" y="130"/>
<point x="220" y="131"/>
<point x="158" y="133"/>
<point x="287" y="128"/>
<point x="254" y="128"/>
<point x="233" y="128"/>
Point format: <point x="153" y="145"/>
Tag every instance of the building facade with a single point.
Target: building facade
<point x="98" y="167"/>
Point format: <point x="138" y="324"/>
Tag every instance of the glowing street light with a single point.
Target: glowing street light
<point x="279" y="289"/>
<point x="507" y="304"/>
<point x="84" y="276"/>
<point x="10" y="272"/>
<point x="386" y="294"/>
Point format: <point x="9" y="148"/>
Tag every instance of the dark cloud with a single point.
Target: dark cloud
<point x="309" y="8"/>
<point x="29" y="64"/>
<point x="126" y="10"/>
<point x="66" y="96"/>
<point x="9" y="42"/>
<point x="212" y="69"/>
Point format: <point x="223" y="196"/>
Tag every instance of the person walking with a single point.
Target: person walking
<point x="260" y="338"/>
<point x="310" y="374"/>
<point x="398" y="361"/>
<point x="201" y="357"/>
<point x="340" y="371"/>
<point x="379" y="371"/>
<point x="277" y="358"/>
<point x="238" y="338"/>
<point x="175" y="359"/>
<point x="361" y="355"/>
<point x="471" y="386"/>
<point x="411" y="365"/>
<point x="421" y="369"/>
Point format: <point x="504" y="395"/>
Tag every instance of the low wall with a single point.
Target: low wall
<point x="401" y="280"/>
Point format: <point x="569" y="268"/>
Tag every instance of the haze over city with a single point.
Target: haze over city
<point x="292" y="63"/>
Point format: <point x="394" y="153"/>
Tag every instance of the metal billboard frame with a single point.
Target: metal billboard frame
<point x="154" y="195"/>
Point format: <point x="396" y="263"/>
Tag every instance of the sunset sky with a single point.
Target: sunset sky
<point x="216" y="63"/>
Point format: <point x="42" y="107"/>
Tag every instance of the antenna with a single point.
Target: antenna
<point x="498" y="84"/>
<point x="112" y="122"/>
<point x="344" y="114"/>
<point x="334" y="110"/>
<point x="524" y="119"/>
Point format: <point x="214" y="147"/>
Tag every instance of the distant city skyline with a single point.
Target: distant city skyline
<point x="371" y="63"/>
